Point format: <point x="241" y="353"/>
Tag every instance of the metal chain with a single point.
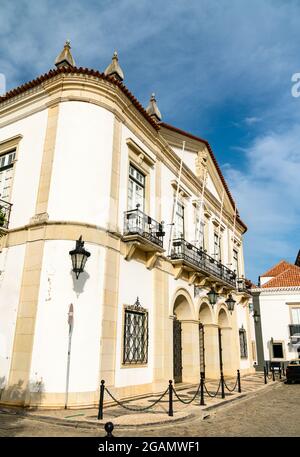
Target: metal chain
<point x="212" y="396"/>
<point x="188" y="401"/>
<point x="136" y="409"/>
<point x="231" y="390"/>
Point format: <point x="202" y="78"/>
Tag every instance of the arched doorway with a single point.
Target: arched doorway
<point x="185" y="333"/>
<point x="205" y="320"/>
<point x="225" y="342"/>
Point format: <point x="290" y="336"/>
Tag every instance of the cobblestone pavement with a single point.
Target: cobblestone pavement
<point x="270" y="412"/>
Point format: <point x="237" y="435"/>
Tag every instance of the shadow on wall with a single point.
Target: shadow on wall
<point x="78" y="284"/>
<point x="12" y="418"/>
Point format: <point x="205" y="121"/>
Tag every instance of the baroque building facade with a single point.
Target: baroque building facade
<point x="80" y="156"/>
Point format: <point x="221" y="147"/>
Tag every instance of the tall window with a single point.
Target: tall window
<point x="296" y="316"/>
<point x="236" y="261"/>
<point x="135" y="349"/>
<point x="277" y="350"/>
<point x="179" y="221"/>
<point x="6" y="174"/>
<point x="136" y="188"/>
<point x="217" y="247"/>
<point x="243" y="343"/>
<point x="199" y="230"/>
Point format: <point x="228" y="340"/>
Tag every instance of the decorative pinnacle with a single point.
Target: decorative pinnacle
<point x="152" y="108"/>
<point x="65" y="58"/>
<point x="114" y="68"/>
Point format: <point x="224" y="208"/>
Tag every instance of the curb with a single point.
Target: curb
<point x="85" y="424"/>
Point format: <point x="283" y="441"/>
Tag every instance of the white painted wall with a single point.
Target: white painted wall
<point x="189" y="157"/>
<point x="11" y="267"/>
<point x="135" y="281"/>
<point x="80" y="184"/>
<point x="241" y="313"/>
<point x="59" y="288"/>
<point x="275" y="319"/>
<point x="28" y="165"/>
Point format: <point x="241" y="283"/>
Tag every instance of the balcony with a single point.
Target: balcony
<point x="5" y="209"/>
<point x="143" y="230"/>
<point x="294" y="329"/>
<point x="197" y="259"/>
<point x="243" y="285"/>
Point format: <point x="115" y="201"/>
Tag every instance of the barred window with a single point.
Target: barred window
<point x="135" y="335"/>
<point x="243" y="343"/>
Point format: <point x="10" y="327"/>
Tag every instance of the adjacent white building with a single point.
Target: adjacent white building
<point x="80" y="156"/>
<point x="276" y="310"/>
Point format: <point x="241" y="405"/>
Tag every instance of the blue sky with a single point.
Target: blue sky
<point x="220" y="69"/>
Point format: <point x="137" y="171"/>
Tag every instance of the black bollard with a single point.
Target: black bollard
<point x="222" y="385"/>
<point x="170" y="398"/>
<point x="273" y="374"/>
<point x="239" y="381"/>
<point x="279" y="372"/>
<point x="100" y="409"/>
<point x="265" y="375"/>
<point x="109" y="426"/>
<point x="202" y="389"/>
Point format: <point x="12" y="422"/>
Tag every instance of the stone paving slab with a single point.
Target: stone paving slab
<point x="158" y="414"/>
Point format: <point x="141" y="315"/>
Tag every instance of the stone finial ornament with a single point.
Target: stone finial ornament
<point x="152" y="109"/>
<point x="65" y="58"/>
<point x="114" y="68"/>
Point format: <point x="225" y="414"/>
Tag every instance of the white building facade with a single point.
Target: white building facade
<point x="276" y="310"/>
<point x="79" y="156"/>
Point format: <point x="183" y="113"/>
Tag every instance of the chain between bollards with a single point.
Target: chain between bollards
<point x="100" y="409"/>
<point x="170" y="398"/>
<point x="239" y="381"/>
<point x="202" y="389"/>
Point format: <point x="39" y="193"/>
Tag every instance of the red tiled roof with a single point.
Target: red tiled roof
<point x="288" y="278"/>
<point x="197" y="138"/>
<point x="83" y="71"/>
<point x="279" y="268"/>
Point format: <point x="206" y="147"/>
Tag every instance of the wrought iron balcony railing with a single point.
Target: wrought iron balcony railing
<point x="243" y="285"/>
<point x="190" y="253"/>
<point x="5" y="209"/>
<point x="138" y="223"/>
<point x="294" y="329"/>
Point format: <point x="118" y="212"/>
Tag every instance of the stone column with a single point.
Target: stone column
<point x="163" y="334"/>
<point x="211" y="345"/>
<point x="228" y="352"/>
<point x="190" y="351"/>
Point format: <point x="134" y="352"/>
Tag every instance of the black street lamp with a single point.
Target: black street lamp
<point x="230" y="302"/>
<point x="256" y="316"/>
<point x="79" y="257"/>
<point x="212" y="296"/>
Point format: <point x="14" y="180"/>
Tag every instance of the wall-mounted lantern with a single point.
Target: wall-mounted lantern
<point x="212" y="296"/>
<point x="230" y="302"/>
<point x="79" y="257"/>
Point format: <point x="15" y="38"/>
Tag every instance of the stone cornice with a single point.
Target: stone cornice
<point x="275" y="290"/>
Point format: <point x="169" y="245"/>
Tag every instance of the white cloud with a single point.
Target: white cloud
<point x="267" y="192"/>
<point x="251" y="120"/>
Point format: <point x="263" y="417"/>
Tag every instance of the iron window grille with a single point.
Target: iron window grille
<point x="243" y="343"/>
<point x="135" y="335"/>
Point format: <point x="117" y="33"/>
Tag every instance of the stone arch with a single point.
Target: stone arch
<point x="223" y="318"/>
<point x="183" y="305"/>
<point x="226" y="342"/>
<point x="185" y="338"/>
<point x="205" y="312"/>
